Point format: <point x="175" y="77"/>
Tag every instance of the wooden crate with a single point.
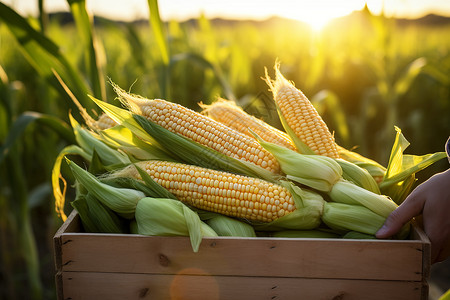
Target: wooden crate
<point x="117" y="266"/>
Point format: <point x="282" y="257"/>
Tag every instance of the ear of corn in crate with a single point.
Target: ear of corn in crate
<point x="169" y="170"/>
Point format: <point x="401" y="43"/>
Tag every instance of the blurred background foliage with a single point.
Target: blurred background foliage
<point x="364" y="73"/>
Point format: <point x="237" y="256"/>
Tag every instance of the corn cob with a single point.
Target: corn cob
<point x="228" y="113"/>
<point x="104" y="122"/>
<point x="201" y="129"/>
<point x="225" y="193"/>
<point x="301" y="116"/>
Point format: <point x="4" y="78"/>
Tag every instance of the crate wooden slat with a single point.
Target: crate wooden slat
<point x="328" y="266"/>
<point x="149" y="286"/>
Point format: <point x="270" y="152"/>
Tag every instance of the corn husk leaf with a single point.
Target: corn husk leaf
<point x="129" y="183"/>
<point x="80" y="204"/>
<point x="358" y="176"/>
<point x="89" y="141"/>
<point x="402" y="166"/>
<point x="122" y="138"/>
<point x="349" y="193"/>
<point x="168" y="217"/>
<point x="226" y="226"/>
<point x="358" y="235"/>
<point x="400" y="190"/>
<point x="96" y="166"/>
<point x="60" y="196"/>
<point x="374" y="168"/>
<point x="125" y="118"/>
<point x="316" y="171"/>
<point x="341" y="216"/>
<point x="105" y="219"/>
<point x="134" y="227"/>
<point x="121" y="200"/>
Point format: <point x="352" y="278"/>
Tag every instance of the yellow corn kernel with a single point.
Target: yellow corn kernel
<point x="204" y="191"/>
<point x="228" y="113"/>
<point x="302" y="117"/>
<point x="104" y="122"/>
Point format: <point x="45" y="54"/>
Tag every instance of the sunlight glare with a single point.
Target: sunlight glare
<point x="320" y="12"/>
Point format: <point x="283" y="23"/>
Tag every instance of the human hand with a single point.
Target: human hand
<point x="432" y="200"/>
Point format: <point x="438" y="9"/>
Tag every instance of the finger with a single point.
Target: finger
<point x="411" y="207"/>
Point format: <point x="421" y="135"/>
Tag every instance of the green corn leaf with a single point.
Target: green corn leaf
<point x="205" y="64"/>
<point x="44" y="55"/>
<point x="404" y="83"/>
<point x="158" y="30"/>
<point x="28" y="118"/>
<point x="159" y="33"/>
<point x="331" y="101"/>
<point x="96" y="60"/>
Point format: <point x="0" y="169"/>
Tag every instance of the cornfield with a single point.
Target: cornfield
<point x="365" y="75"/>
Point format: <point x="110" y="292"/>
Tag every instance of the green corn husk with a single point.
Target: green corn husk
<point x="90" y="141"/>
<point x="358" y="236"/>
<point x="105" y="220"/>
<point x="81" y="206"/>
<point x="308" y="234"/>
<point x="168" y="217"/>
<point x="122" y="138"/>
<point x="121" y="200"/>
<point x="375" y="169"/>
<point x="134" y="227"/>
<point x="358" y="176"/>
<point x="149" y="187"/>
<point x="226" y="226"/>
<point x="349" y="193"/>
<point x="316" y="171"/>
<point x="398" y="179"/>
<point x="340" y="216"/>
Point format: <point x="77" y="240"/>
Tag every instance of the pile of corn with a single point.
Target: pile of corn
<point x="158" y="168"/>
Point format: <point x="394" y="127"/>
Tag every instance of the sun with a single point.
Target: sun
<point x="318" y="13"/>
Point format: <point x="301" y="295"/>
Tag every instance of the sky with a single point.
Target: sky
<point x="314" y="12"/>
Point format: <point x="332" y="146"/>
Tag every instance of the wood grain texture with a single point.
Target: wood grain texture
<point x="89" y="285"/>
